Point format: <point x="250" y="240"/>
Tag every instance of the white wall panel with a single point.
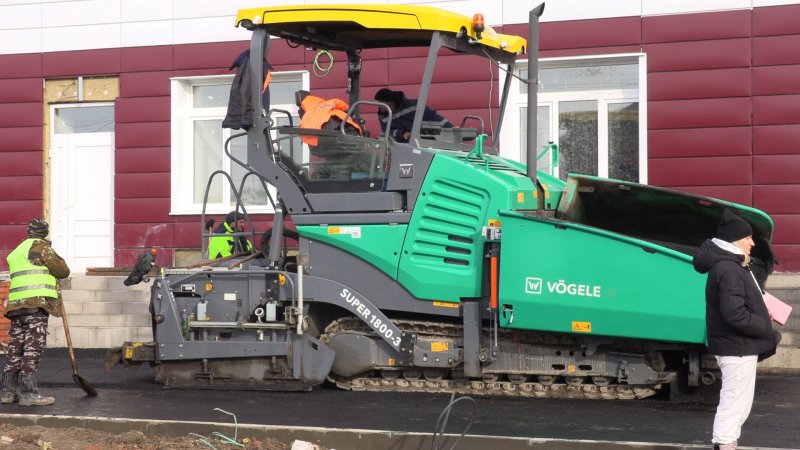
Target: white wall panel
<point x="80" y="37"/>
<point x="19" y="2"/>
<point x="492" y="12"/>
<point x="331" y="2"/>
<point x="212" y="29"/>
<point x="89" y="24"/>
<point x="561" y="10"/>
<point x="186" y="9"/>
<point x="20" y="16"/>
<point x="142" y="10"/>
<point x="20" y="41"/>
<point x="83" y="12"/>
<point x="153" y="32"/>
<point x="652" y="8"/>
<point x="758" y="3"/>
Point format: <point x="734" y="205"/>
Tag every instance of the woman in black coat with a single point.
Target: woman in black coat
<point x="738" y="323"/>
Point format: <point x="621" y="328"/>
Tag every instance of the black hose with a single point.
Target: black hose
<point x="441" y="423"/>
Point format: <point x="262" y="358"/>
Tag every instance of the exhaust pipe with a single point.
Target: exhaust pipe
<point x="533" y="83"/>
<point x="708" y="378"/>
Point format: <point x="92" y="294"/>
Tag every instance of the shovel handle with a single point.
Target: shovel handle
<point x="69" y="339"/>
<point x="88" y="388"/>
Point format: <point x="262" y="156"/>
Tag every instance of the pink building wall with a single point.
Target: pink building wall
<point x="723" y="114"/>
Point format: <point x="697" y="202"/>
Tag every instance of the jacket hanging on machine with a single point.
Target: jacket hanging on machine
<point x="240" y="108"/>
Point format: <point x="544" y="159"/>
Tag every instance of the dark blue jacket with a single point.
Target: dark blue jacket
<point x="403" y="119"/>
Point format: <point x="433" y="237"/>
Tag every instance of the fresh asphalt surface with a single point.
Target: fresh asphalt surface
<point x="774" y="421"/>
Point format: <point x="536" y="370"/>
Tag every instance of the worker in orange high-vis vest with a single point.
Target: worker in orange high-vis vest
<point x="317" y="112"/>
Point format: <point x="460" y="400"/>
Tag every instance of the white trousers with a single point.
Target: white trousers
<point x="735" y="397"/>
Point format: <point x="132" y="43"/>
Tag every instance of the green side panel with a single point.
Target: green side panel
<point x="442" y="256"/>
<point x="379" y="245"/>
<point x="553" y="187"/>
<point x="566" y="277"/>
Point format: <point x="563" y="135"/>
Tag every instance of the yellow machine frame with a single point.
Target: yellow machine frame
<point x="372" y="18"/>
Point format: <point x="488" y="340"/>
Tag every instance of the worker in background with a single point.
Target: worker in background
<point x="739" y="326"/>
<point x="403" y="111"/>
<point x="221" y="246"/>
<point x="33" y="296"/>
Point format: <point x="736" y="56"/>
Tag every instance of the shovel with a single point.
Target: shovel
<point x="88" y="388"/>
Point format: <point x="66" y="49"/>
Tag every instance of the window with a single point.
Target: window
<point x="86" y="118"/>
<point x="199" y="105"/>
<point x="590" y="108"/>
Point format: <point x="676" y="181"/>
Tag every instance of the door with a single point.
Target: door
<point x="82" y="184"/>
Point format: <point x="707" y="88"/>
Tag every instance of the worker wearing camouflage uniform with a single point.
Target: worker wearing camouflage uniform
<point x="34" y="295"/>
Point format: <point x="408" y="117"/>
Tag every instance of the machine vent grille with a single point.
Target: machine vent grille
<point x="453" y="214"/>
<point x="494" y="164"/>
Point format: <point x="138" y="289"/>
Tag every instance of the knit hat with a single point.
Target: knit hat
<point x="233" y="216"/>
<point x="38" y="228"/>
<point x="388" y="95"/>
<point x="732" y="227"/>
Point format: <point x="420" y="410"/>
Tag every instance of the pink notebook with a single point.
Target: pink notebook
<point x="778" y="310"/>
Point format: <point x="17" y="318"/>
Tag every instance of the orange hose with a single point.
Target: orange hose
<point x="493" y="295"/>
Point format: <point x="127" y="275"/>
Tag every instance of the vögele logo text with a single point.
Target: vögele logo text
<point x="533" y="285"/>
<point x="561" y="287"/>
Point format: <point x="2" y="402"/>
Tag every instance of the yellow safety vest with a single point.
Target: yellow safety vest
<point x="27" y="279"/>
<point x="220" y="246"/>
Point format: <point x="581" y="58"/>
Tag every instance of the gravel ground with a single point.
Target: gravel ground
<point x="41" y="438"/>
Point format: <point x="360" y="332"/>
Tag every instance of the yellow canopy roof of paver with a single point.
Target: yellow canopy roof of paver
<point x="372" y="26"/>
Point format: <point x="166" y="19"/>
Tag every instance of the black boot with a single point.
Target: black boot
<point x="9" y="393"/>
<point x="29" y="393"/>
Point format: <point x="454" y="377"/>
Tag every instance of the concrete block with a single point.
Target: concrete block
<point x="78" y="295"/>
<point x="793" y="324"/>
<point x="138" y="320"/>
<point x="54" y="328"/>
<point x="55" y="338"/>
<point x="92" y="337"/>
<point x="107" y="308"/>
<point x="791" y="296"/>
<point x="144" y="334"/>
<point x="72" y="309"/>
<point x="783" y="281"/>
<point x="89" y="283"/>
<point x="141" y="296"/>
<point x="115" y="296"/>
<point x="105" y="320"/>
<point x="790" y="338"/>
<point x="116" y="284"/>
<point x="112" y="337"/>
<point x="786" y="358"/>
<point x="80" y="337"/>
<point x="138" y="308"/>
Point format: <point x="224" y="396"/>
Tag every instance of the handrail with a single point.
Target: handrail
<point x="238" y="202"/>
<point x="478" y="118"/>
<point x="380" y="105"/>
<point x="553" y="149"/>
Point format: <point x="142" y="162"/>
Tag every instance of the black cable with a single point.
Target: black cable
<point x="441" y="423"/>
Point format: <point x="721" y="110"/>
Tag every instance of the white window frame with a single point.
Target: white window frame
<point x="182" y="142"/>
<point x="512" y="148"/>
